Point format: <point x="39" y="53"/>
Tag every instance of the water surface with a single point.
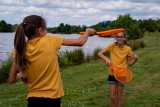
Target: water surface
<point x="7" y="40"/>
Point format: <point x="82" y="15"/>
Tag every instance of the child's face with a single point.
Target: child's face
<point x="120" y="38"/>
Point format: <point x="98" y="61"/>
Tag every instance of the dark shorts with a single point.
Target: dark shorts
<point x="43" y="102"/>
<point x="112" y="80"/>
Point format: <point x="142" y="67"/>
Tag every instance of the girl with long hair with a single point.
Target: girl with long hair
<point x="36" y="61"/>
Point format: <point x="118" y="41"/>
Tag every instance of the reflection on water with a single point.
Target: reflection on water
<point x="7" y="39"/>
<point x="6" y="45"/>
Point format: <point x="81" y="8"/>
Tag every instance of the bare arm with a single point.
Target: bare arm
<point x="103" y="57"/>
<point x="14" y="74"/>
<point x="81" y="40"/>
<point x="132" y="59"/>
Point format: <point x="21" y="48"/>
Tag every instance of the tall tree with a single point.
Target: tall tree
<point x="132" y="29"/>
<point x="4" y="27"/>
<point x="158" y="25"/>
<point x="150" y="25"/>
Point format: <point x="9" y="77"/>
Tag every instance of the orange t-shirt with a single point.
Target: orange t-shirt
<point x="43" y="74"/>
<point x="118" y="55"/>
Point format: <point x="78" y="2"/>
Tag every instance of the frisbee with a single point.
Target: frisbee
<point x="107" y="32"/>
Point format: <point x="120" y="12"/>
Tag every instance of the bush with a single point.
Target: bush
<point x="70" y="58"/>
<point x="62" y="61"/>
<point x="5" y="69"/>
<point x="95" y="53"/>
<point x="136" y="44"/>
<point x="142" y="44"/>
<point x="75" y="57"/>
<point x="88" y="58"/>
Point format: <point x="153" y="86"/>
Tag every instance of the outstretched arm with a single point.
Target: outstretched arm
<point x="81" y="40"/>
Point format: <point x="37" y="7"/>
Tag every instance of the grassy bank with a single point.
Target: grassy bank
<point x="85" y="85"/>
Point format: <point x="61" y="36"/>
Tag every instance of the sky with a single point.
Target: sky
<point x="78" y="12"/>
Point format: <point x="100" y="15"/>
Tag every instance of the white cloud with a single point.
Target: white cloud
<point x="38" y="2"/>
<point x="83" y="12"/>
<point x="33" y="9"/>
<point x="11" y="8"/>
<point x="144" y="1"/>
<point x="12" y="2"/>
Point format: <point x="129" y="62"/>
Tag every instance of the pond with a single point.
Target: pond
<point x="7" y="39"/>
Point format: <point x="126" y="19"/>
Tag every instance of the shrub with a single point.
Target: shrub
<point x="95" y="53"/>
<point x="70" y="58"/>
<point x="142" y="44"/>
<point x="5" y="69"/>
<point x="75" y="57"/>
<point x="88" y="58"/>
<point x="136" y="44"/>
<point x="62" y="61"/>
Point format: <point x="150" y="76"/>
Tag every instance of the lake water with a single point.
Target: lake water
<point x="7" y="39"/>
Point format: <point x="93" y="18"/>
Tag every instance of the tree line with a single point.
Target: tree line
<point x="4" y="27"/>
<point x="135" y="28"/>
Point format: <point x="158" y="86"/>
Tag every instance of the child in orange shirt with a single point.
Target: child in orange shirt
<point x="120" y="55"/>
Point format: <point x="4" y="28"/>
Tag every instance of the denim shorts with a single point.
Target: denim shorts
<point x="112" y="80"/>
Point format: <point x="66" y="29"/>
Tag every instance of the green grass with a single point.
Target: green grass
<point x="85" y="85"/>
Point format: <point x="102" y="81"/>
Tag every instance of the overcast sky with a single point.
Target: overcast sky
<point x="77" y="12"/>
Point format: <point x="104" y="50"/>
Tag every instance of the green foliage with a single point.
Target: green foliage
<point x="132" y="29"/>
<point x="67" y="29"/>
<point x="5" y="69"/>
<point x="158" y="25"/>
<point x="94" y="56"/>
<point x="95" y="53"/>
<point x="14" y="27"/>
<point x="63" y="62"/>
<point x="76" y="56"/>
<point x="85" y="85"/>
<point x="135" y="28"/>
<point x="70" y="58"/>
<point x="134" y="32"/>
<point x="149" y="25"/>
<point x="4" y="27"/>
<point x="136" y="44"/>
<point x="88" y="58"/>
<point x="124" y="21"/>
<point x="99" y="27"/>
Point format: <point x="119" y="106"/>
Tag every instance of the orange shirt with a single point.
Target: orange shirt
<point x="43" y="74"/>
<point x="118" y="55"/>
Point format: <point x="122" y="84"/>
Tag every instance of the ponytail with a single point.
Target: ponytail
<point x="20" y="47"/>
<point x="28" y="28"/>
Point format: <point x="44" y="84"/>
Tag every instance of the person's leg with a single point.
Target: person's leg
<point x="112" y="94"/>
<point x="119" y="95"/>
